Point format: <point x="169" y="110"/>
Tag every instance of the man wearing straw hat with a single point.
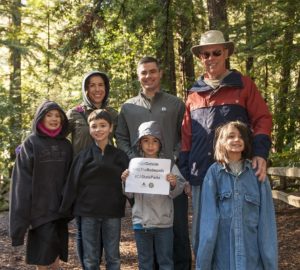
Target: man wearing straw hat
<point x="220" y="95"/>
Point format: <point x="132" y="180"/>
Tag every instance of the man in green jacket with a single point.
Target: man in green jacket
<point x="153" y="104"/>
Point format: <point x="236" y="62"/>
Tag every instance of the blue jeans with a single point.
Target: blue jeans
<point x="79" y="239"/>
<point x="79" y="242"/>
<point x="196" y="201"/>
<point x="93" y="231"/>
<point x="159" y="239"/>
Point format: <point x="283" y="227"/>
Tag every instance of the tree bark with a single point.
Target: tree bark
<point x="294" y="116"/>
<point x="281" y="112"/>
<point x="217" y="16"/>
<point x="249" y="38"/>
<point x="185" y="43"/>
<point x="165" y="48"/>
<point x="15" y="79"/>
<point x="218" y="20"/>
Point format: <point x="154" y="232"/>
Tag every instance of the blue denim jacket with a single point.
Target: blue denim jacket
<point x="237" y="226"/>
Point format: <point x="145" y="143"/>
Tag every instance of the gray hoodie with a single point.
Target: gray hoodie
<point x="84" y="86"/>
<point x="149" y="210"/>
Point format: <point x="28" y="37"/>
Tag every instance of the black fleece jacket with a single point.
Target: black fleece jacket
<point x="38" y="177"/>
<point x="94" y="186"/>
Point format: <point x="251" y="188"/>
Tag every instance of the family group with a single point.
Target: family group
<point x="75" y="165"/>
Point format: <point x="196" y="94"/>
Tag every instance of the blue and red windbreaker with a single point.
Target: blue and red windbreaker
<point x="237" y="98"/>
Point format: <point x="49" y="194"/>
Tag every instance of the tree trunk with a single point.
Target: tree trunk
<point x="281" y="111"/>
<point x="15" y="79"/>
<point x="266" y="80"/>
<point x="218" y="20"/>
<point x="165" y="49"/>
<point x="294" y="116"/>
<point x="186" y="61"/>
<point x="249" y="38"/>
<point x="217" y="16"/>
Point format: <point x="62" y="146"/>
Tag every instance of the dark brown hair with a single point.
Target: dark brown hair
<point x="100" y="114"/>
<point x="88" y="79"/>
<point x="149" y="59"/>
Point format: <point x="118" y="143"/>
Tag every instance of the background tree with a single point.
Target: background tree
<point x="217" y="17"/>
<point x="165" y="44"/>
<point x="47" y="46"/>
<point x="15" y="121"/>
<point x="186" y="18"/>
<point x="249" y="37"/>
<point x="281" y="113"/>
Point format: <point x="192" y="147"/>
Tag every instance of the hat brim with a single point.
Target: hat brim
<point x="229" y="45"/>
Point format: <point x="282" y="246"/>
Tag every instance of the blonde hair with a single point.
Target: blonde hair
<point x="221" y="136"/>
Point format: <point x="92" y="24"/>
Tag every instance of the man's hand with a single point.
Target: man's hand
<point x="260" y="165"/>
<point x="188" y="189"/>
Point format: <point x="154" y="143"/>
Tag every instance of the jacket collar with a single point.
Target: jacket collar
<point x="233" y="79"/>
<point x="246" y="166"/>
<point x="157" y="94"/>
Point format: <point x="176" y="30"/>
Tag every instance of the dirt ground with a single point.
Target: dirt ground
<point x="288" y="225"/>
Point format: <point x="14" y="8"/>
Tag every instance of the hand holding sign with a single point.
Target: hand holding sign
<point x="148" y="175"/>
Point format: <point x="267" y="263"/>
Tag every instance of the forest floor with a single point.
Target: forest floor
<point x="288" y="226"/>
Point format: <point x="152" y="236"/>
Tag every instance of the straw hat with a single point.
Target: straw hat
<point x="212" y="37"/>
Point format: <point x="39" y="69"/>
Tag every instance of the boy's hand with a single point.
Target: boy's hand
<point x="171" y="178"/>
<point x="124" y="175"/>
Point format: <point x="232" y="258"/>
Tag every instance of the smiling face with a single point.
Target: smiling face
<point x="213" y="58"/>
<point x="52" y="120"/>
<point x="100" y="130"/>
<point x="96" y="90"/>
<point x="149" y="76"/>
<point x="234" y="143"/>
<point x="150" y="146"/>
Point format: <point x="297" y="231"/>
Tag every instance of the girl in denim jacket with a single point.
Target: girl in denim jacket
<point x="237" y="224"/>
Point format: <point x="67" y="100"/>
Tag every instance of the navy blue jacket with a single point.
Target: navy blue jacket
<point x="237" y="98"/>
<point x="94" y="186"/>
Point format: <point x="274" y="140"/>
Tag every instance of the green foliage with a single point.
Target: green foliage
<point x="287" y="158"/>
<point x="273" y="47"/>
<point x="6" y="135"/>
<point x="60" y="41"/>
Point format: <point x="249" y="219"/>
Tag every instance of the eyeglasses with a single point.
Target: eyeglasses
<point x="215" y="53"/>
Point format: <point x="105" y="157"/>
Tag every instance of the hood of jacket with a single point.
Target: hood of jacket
<point x="151" y="128"/>
<point x="85" y="98"/>
<point x="41" y="112"/>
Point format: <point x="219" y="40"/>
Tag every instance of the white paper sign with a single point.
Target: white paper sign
<point x="148" y="175"/>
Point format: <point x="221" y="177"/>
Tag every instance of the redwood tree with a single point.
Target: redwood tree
<point x="15" y="77"/>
